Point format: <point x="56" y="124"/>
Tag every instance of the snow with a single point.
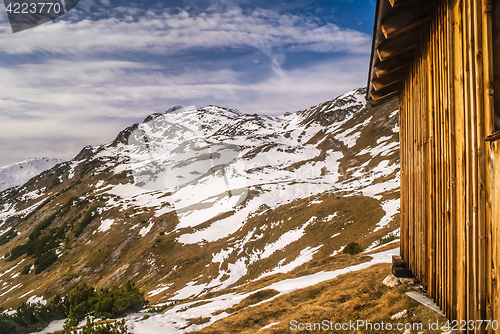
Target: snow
<point x="145" y="230"/>
<point x="12" y="288"/>
<point x="190" y="290"/>
<point x="305" y="256"/>
<point x="34" y="299"/>
<point x="72" y="167"/>
<point x="10" y="312"/>
<point x="270" y="325"/>
<point x="383" y="149"/>
<point x="284" y="240"/>
<point x="316" y="201"/>
<point x="376" y="245"/>
<point x="391" y="207"/>
<point x="338" y="251"/>
<point x="330" y="217"/>
<point x="106" y="225"/>
<point x="99" y="184"/>
<point x="375" y="190"/>
<point x="27" y="293"/>
<point x="32" y="194"/>
<point x="19" y="173"/>
<point x="382" y="139"/>
<point x="175" y="319"/>
<point x="292" y="284"/>
<point x="162" y="287"/>
<point x="186" y="168"/>
<point x="54" y="326"/>
<point x="11" y="269"/>
<point x="222" y="255"/>
<point x="272" y="194"/>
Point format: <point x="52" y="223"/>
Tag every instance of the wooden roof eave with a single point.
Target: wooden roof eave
<point x="396" y="36"/>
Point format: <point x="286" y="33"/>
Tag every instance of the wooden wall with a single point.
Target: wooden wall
<point x="450" y="176"/>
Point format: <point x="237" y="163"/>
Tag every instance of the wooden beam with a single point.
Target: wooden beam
<point x="396" y="46"/>
<point x="404" y="3"/>
<point x="385" y="93"/>
<point x="383" y="100"/>
<point x="410" y="18"/>
<point x="387" y="80"/>
<point x="384" y="68"/>
<point x="494" y="136"/>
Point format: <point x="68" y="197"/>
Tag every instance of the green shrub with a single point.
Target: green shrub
<point x="42" y="248"/>
<point x="105" y="303"/>
<point x="387" y="239"/>
<point x="78" y="303"/>
<point x="160" y="309"/>
<point x="82" y="302"/>
<point x="36" y="317"/>
<point x="45" y="260"/>
<point x="8" y="326"/>
<point x="353" y="248"/>
<point x="26" y="270"/>
<point x="7" y="236"/>
<point x="17" y="252"/>
<point x="87" y="218"/>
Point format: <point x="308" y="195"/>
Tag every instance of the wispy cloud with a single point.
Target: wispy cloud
<point x="94" y="104"/>
<point x="166" y="33"/>
<point x="79" y="81"/>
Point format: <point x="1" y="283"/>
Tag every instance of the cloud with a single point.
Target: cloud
<point x="61" y="108"/>
<point x="162" y="32"/>
<point x="81" y="80"/>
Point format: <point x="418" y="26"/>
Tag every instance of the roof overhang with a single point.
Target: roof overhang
<point x="396" y="37"/>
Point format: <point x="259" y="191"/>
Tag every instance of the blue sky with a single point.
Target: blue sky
<point x="106" y="64"/>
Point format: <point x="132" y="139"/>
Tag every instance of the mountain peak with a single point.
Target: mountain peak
<point x="335" y="110"/>
<point x="197" y="203"/>
<point x="18" y="173"/>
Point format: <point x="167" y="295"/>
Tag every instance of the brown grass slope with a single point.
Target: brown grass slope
<point x="350" y="297"/>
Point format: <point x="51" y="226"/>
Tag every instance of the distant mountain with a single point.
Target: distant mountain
<point x="200" y="206"/>
<point x="19" y="173"/>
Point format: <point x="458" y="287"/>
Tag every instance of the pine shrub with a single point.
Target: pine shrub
<point x="353" y="248"/>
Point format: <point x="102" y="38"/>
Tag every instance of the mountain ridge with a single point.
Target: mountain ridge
<point x="206" y="201"/>
<point x="18" y="173"/>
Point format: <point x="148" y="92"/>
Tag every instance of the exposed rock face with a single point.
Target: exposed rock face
<point x="122" y="138"/>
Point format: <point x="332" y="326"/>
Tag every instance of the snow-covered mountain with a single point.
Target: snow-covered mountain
<point x="206" y="205"/>
<point x="18" y="173"/>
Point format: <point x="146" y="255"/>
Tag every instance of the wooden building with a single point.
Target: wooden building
<point x="441" y="58"/>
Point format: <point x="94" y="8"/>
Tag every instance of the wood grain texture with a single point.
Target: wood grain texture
<point x="450" y="174"/>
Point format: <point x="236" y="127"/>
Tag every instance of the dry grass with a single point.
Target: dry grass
<point x="112" y="258"/>
<point x="354" y="296"/>
<point x="253" y="299"/>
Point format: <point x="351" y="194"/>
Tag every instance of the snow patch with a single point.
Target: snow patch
<point x="106" y="225"/>
<point x="34" y="299"/>
<point x="145" y="230"/>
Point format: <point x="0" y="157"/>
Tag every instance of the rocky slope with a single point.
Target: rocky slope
<point x="206" y="204"/>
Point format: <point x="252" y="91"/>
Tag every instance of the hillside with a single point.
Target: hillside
<point x="205" y="206"/>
